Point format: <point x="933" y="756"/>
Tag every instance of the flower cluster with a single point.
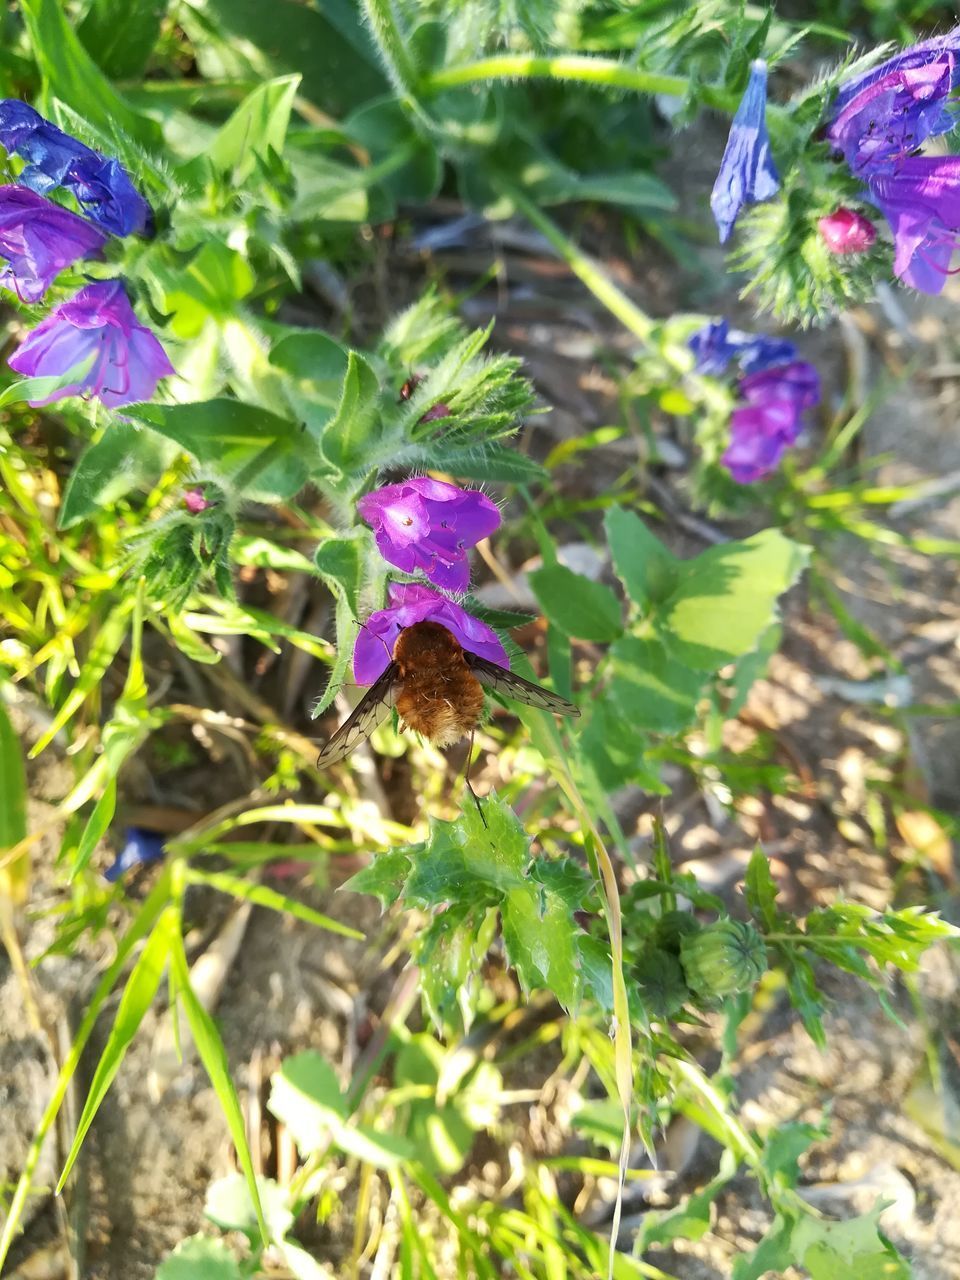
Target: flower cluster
<point x="95" y="334"/>
<point x="429" y="525"/>
<point x="880" y="119"/>
<point x="775" y="388"/>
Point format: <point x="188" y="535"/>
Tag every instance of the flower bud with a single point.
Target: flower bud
<point x="723" y="958"/>
<point x="845" y="231"/>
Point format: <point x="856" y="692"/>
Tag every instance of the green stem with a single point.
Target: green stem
<point x="606" y="72"/>
<point x="593" y="275"/>
<point x="393" y="46"/>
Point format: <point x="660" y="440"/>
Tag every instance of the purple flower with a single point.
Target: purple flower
<point x="38" y="239"/>
<point x="716" y="344"/>
<point x="747" y="173"/>
<point x="889" y="110"/>
<point x="921" y="202"/>
<point x="96" y="324"/>
<point x="100" y="184"/>
<point x="140" y="846"/>
<point x="409" y="603"/>
<point x="770" y="422"/>
<point x="430" y="525"/>
<point x="846" y="231"/>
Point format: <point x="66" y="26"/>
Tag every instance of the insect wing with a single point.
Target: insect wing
<point x="500" y="680"/>
<point x="372" y="709"/>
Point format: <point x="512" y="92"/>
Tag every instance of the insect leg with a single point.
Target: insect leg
<point x="466" y="778"/>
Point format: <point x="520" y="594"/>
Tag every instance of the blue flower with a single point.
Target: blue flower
<point x="100" y="184"/>
<point x="140" y="846"/>
<point x="716" y="344"/>
<point x="747" y="173"/>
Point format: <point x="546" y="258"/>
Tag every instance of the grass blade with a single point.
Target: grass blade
<point x="138" y="995"/>
<point x="213" y="1055"/>
<point x="261" y="896"/>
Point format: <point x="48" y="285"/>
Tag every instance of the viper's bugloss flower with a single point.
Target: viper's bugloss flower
<point x="893" y="115"/>
<point x="430" y="525"/>
<point x="96" y="326"/>
<point x="38" y="240"/>
<point x="140" y="847"/>
<point x="921" y="202"/>
<point x="100" y="184"/>
<point x="195" y="502"/>
<point x="764" y="428"/>
<point x="716" y="344"/>
<point x="747" y="173"/>
<point x="409" y="603"/>
<point x="846" y="231"/>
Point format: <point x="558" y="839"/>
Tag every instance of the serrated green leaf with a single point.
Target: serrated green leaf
<point x="646" y="568"/>
<point x="383" y="876"/>
<point x="761" y="890"/>
<point x="725" y="599"/>
<point x="199" y="1258"/>
<point x="576" y="605"/>
<point x="850" y="1250"/>
<point x="467" y="858"/>
<point x="355" y="428"/>
<point x="138" y="995"/>
<point x="540" y="942"/>
<point x="774" y="1253"/>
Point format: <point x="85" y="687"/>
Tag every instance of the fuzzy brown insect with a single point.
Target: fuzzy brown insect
<point x="437" y="688"/>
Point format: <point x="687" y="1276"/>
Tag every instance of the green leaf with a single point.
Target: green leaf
<point x="346" y="632"/>
<point x="211" y="284"/>
<point x="355" y="428"/>
<point x="70" y="74"/>
<point x="138" y="995"/>
<point x="263" y="896"/>
<point x="646" y="568"/>
<point x="96" y="827"/>
<point x="230" y="437"/>
<point x="409" y="162"/>
<point x="316" y="366"/>
<point x="774" y="1253"/>
<point x="493" y="462"/>
<point x="124" y="458"/>
<point x="120" y="34"/>
<point x="783" y="1148"/>
<point x="42" y="388"/>
<point x="228" y="1204"/>
<point x="851" y="1250"/>
<point x="650" y="689"/>
<point x="761" y="890"/>
<point x="383" y="877"/>
<point x="725" y="599"/>
<point x="466" y="855"/>
<point x="327" y="46"/>
<point x="541" y="942"/>
<point x="258" y="126"/>
<point x="576" y="605"/>
<point x="306" y="1096"/>
<point x="214" y="1058"/>
<point x="341" y="561"/>
<point x="199" y="1258"/>
<point x="13" y="785"/>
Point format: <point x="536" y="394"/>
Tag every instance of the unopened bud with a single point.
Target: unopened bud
<point x="845" y="231"/>
<point x="723" y="958"/>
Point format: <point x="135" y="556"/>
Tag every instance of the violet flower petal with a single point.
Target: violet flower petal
<point x="747" y="173"/>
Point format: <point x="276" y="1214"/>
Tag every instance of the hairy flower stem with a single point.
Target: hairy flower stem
<point x="593" y="276"/>
<point x="394" y="48"/>
<point x="606" y="72"/>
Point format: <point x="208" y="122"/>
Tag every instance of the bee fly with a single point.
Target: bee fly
<point x="437" y="688"/>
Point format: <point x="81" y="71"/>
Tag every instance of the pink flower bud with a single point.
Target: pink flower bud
<point x="847" y="232"/>
<point x="195" y="502"/>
